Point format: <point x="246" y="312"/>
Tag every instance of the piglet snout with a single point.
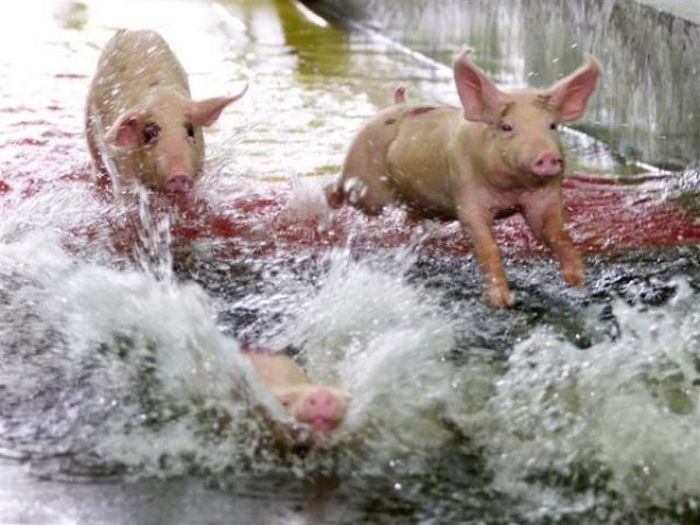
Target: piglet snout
<point x="547" y="164"/>
<point x="178" y="184"/>
<point x="322" y="410"/>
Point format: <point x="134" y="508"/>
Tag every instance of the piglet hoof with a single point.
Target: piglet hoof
<point x="334" y="196"/>
<point x="499" y="296"/>
<point x="573" y="271"/>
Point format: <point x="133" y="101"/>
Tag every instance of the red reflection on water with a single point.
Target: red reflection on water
<point x="43" y="146"/>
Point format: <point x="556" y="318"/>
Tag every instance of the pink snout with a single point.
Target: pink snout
<point x="322" y="410"/>
<point x="547" y="164"/>
<point x="178" y="184"/>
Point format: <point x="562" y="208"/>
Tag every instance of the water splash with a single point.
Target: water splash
<point x="568" y="428"/>
<point x="154" y="251"/>
<point x="384" y="340"/>
<point x="154" y="384"/>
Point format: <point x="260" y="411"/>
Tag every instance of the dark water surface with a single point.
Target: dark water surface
<point x="124" y="397"/>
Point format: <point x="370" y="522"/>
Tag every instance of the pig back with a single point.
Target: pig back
<point x="418" y="160"/>
<point x="132" y="64"/>
<point x="277" y="370"/>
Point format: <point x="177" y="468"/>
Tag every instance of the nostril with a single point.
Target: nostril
<point x="178" y="183"/>
<point x="547" y="163"/>
<point x="320" y="402"/>
<point x="330" y="401"/>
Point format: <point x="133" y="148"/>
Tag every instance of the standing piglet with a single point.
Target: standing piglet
<point x="140" y="118"/>
<point x="497" y="155"/>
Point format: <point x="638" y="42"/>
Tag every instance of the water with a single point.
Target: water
<point x="126" y="400"/>
<point x="645" y="105"/>
<point x="684" y="8"/>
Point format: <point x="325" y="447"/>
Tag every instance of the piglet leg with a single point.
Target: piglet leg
<point x="547" y="223"/>
<point x="488" y="256"/>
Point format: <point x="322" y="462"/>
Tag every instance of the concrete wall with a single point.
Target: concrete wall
<point x="648" y="107"/>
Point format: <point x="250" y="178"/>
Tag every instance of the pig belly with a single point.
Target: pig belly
<point x="418" y="164"/>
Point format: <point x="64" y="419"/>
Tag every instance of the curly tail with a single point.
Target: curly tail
<point x="400" y="95"/>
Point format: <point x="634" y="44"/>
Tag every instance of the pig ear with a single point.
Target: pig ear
<point x="570" y="95"/>
<point x="480" y="98"/>
<point x="125" y="130"/>
<point x="206" y="112"/>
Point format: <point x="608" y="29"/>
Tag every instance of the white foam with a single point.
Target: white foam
<point x="307" y="200"/>
<point x="625" y="412"/>
<point x="103" y="332"/>
<point x="384" y="340"/>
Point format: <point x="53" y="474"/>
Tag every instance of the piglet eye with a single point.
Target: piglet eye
<point x="150" y="132"/>
<point x="190" y="130"/>
<point x="506" y="127"/>
<point x="553" y="126"/>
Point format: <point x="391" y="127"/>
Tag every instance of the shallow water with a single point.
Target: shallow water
<point x="125" y="398"/>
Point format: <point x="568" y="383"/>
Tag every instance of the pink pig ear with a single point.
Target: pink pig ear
<point x="125" y="130"/>
<point x="570" y="94"/>
<point x="480" y="98"/>
<point x="206" y="112"/>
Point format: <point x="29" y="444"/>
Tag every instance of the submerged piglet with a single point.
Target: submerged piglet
<point x="321" y="407"/>
<point x="497" y="155"/>
<point x="141" y="117"/>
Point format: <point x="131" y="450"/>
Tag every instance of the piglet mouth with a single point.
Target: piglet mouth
<point x="178" y="184"/>
<point x="322" y="425"/>
<point x="543" y="177"/>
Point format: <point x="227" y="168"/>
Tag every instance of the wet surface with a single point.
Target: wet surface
<point x="645" y="107"/>
<point x="125" y="399"/>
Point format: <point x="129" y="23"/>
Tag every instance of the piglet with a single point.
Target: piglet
<point x="497" y="155"/>
<point x="140" y="118"/>
<point x="321" y="407"/>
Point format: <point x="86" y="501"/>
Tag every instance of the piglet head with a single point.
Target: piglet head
<point x="323" y="408"/>
<point x="162" y="139"/>
<point x="523" y="145"/>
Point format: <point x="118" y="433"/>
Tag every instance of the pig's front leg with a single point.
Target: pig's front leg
<point x="544" y="216"/>
<point x="477" y="222"/>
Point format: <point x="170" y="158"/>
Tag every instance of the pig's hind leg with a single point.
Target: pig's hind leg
<point x="365" y="182"/>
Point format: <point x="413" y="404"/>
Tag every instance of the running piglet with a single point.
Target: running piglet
<point x="141" y="122"/>
<point x="499" y="154"/>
